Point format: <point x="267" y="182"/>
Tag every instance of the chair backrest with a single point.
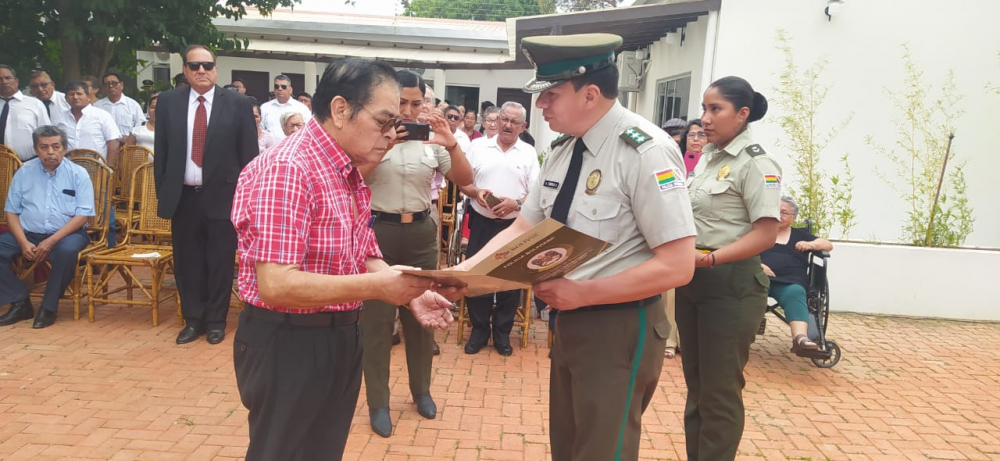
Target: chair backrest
<point x="9" y="163"/>
<point x="100" y="176"/>
<point x="85" y="153"/>
<point x="129" y="159"/>
<point x="142" y="205"/>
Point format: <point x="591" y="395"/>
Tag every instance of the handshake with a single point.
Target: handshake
<point x="429" y="302"/>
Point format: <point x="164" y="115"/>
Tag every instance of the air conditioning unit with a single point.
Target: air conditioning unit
<point x="162" y="56"/>
<point x="632" y="66"/>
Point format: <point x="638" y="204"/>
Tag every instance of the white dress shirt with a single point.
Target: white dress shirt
<point x="192" y="172"/>
<point x="93" y="131"/>
<point x="26" y="113"/>
<point x="270" y="116"/>
<point x="126" y="111"/>
<point x="144" y="136"/>
<point x="58" y="107"/>
<point x="508" y="174"/>
<point x="463" y="140"/>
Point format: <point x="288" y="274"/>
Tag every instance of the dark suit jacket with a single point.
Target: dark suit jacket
<point x="231" y="143"/>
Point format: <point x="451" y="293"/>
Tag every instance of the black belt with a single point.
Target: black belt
<point x="194" y="188"/>
<point x="625" y="305"/>
<point x="405" y="218"/>
<point x="319" y="319"/>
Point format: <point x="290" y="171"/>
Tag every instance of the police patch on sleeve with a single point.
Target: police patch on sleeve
<point x="668" y="179"/>
<point x="772" y="181"/>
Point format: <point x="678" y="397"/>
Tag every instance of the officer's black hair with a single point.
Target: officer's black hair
<point x="78" y="84"/>
<point x="605" y="79"/>
<point x="353" y="79"/>
<point x="687" y="129"/>
<point x="739" y="92"/>
<point x="411" y="79"/>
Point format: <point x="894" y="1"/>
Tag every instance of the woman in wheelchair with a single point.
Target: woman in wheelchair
<point x="786" y="263"/>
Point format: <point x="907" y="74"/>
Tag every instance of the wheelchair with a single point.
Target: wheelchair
<point x="818" y="301"/>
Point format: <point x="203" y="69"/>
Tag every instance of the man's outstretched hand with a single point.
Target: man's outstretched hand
<point x="432" y="310"/>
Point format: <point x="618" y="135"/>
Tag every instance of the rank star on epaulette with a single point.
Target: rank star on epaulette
<point x="635" y="137"/>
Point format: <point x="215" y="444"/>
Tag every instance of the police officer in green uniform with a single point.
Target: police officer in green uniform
<point x="407" y="236"/>
<point x="735" y="197"/>
<point x="615" y="176"/>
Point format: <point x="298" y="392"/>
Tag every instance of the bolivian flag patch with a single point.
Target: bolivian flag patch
<point x="668" y="179"/>
<point x="772" y="181"/>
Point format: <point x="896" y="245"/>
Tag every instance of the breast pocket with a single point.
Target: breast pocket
<point x="723" y="197"/>
<point x="599" y="218"/>
<point x="66" y="204"/>
<point x="547" y="198"/>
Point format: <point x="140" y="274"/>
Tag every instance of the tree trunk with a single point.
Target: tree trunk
<point x="69" y="51"/>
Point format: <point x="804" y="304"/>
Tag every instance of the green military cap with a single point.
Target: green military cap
<point x="558" y="58"/>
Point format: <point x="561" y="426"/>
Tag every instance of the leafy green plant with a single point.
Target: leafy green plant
<point x="823" y="198"/>
<point x="939" y="210"/>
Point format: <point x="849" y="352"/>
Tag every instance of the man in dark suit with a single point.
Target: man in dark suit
<point x="204" y="138"/>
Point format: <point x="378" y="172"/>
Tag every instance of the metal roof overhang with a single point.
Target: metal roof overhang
<point x="398" y="56"/>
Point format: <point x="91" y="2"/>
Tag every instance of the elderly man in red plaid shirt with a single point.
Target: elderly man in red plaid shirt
<point x="308" y="257"/>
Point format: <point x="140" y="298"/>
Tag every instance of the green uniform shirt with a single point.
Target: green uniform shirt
<point x="401" y="183"/>
<point x="732" y="190"/>
<point x="630" y="207"/>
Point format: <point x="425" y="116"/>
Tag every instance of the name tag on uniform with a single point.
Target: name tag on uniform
<point x="551" y="184"/>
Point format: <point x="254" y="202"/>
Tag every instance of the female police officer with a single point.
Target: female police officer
<point x="735" y="200"/>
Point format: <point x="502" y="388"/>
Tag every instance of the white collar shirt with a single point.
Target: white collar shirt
<point x="127" y="113"/>
<point x="93" y="131"/>
<point x="57" y="107"/>
<point x="509" y="174"/>
<point x="463" y="140"/>
<point x="25" y="114"/>
<point x="192" y="172"/>
<point x="270" y="116"/>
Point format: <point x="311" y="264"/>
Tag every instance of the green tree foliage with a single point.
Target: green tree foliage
<point x="70" y="38"/>
<point x="918" y="154"/>
<point x="823" y="198"/>
<point x="476" y="10"/>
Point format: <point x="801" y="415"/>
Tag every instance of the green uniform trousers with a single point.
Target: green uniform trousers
<point x="414" y="245"/>
<point x="718" y="314"/>
<point x="605" y="367"/>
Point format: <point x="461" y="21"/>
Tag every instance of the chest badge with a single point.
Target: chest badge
<point x="593" y="181"/>
<point x="723" y="172"/>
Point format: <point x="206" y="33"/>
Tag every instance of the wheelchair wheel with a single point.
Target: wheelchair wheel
<point x="834" y="356"/>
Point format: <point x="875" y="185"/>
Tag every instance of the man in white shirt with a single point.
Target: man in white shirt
<point x="43" y="88"/>
<point x="504" y="168"/>
<point x="270" y="112"/>
<point x="454" y="117"/>
<point x="19" y="115"/>
<point x="88" y="127"/>
<point x="126" y="111"/>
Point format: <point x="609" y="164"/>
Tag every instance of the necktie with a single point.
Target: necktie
<point x="200" y="130"/>
<point x="48" y="106"/>
<point x="3" y="119"/>
<point x="560" y="209"/>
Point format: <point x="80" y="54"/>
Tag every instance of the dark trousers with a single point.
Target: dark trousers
<point x="412" y="244"/>
<point x="718" y="314"/>
<point x="301" y="385"/>
<point x="481" y="312"/>
<point x="63" y="258"/>
<point x="204" y="256"/>
<point x="605" y="368"/>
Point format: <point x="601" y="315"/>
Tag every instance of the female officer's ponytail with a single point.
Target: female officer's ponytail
<point x="739" y="92"/>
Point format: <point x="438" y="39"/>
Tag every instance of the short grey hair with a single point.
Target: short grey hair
<point x="48" y="131"/>
<point x="515" y="105"/>
<point x="791" y="202"/>
<point x="490" y="110"/>
<point x="287" y="115"/>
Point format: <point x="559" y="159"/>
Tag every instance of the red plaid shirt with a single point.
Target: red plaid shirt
<point x="293" y="206"/>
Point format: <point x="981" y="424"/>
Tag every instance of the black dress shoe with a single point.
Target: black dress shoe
<point x="44" y="319"/>
<point x="19" y="310"/>
<point x="473" y="348"/>
<point x="189" y="333"/>
<point x="426" y="406"/>
<point x="381" y="423"/>
<point x="215" y="336"/>
<point x="504" y="349"/>
<point x="436" y="349"/>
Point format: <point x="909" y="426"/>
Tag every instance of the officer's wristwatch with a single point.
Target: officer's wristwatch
<point x="518" y="201"/>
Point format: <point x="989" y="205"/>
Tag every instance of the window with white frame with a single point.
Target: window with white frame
<point x="672" y="98"/>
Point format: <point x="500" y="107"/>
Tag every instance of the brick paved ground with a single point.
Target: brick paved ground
<point x="120" y="389"/>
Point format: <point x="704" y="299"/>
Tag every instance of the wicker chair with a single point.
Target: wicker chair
<point x="85" y="153"/>
<point x="522" y="317"/>
<point x="130" y="158"/>
<point x="103" y="265"/>
<point x="9" y="163"/>
<point x="97" y="228"/>
<point x="448" y="198"/>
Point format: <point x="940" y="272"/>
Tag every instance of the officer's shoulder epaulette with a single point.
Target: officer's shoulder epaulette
<point x="635" y="137"/>
<point x="561" y="139"/>
<point x="755" y="150"/>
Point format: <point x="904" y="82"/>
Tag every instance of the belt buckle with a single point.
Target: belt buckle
<point x="406" y="218"/>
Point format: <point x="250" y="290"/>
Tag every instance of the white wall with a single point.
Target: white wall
<point x="862" y="45"/>
<point x="923" y="282"/>
<point x="228" y="64"/>
<point x="675" y="60"/>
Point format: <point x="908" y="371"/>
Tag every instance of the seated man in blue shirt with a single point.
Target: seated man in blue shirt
<point x="47" y="207"/>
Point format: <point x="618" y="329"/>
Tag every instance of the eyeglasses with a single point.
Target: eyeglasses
<point x="297" y="126"/>
<point x="384" y="126"/>
<point x="38" y="86"/>
<point x="787" y="213"/>
<point x="504" y="120"/>
<point x="697" y="134"/>
<point x="490" y="121"/>
<point x="279" y="86"/>
<point x="112" y="84"/>
<point x="207" y="65"/>
<point x="454" y="117"/>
